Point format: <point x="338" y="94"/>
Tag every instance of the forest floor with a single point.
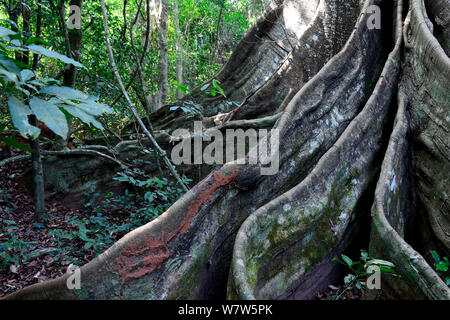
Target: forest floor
<point x="35" y="252"/>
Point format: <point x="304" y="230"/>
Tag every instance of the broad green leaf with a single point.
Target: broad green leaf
<point x="347" y="260"/>
<point x="50" y="115"/>
<point x="17" y="43"/>
<point x="50" y="81"/>
<point x="94" y="108"/>
<point x="83" y="116"/>
<point x="380" y="263"/>
<point x="19" y="115"/>
<point x="16" y="144"/>
<point x="35" y="83"/>
<point x="9" y="65"/>
<point x="8" y="76"/>
<point x="26" y="75"/>
<point x="4" y="32"/>
<point x="52" y="54"/>
<point x="206" y="86"/>
<point x="64" y="92"/>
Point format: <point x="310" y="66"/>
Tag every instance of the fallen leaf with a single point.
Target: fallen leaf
<point x="13" y="268"/>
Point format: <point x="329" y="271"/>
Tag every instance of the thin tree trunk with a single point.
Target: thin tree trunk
<point x="38" y="176"/>
<point x="219" y="20"/>
<point x="38" y="32"/>
<point x="26" y="28"/>
<point x="179" y="45"/>
<point x="70" y="72"/>
<point x="161" y="96"/>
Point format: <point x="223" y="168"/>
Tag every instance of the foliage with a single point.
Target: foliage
<point x="208" y="31"/>
<point x="356" y="279"/>
<point x="441" y="266"/>
<point x="156" y="194"/>
<point x="13" y="251"/>
<point x="26" y="93"/>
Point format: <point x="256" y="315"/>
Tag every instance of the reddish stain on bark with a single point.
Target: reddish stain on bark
<point x="136" y="261"/>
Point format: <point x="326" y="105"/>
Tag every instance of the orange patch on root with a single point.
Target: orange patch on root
<point x="128" y="263"/>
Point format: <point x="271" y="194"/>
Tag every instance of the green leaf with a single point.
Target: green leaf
<point x="64" y="93"/>
<point x="386" y="269"/>
<point x="16" y="144"/>
<point x="447" y="281"/>
<point x="347" y="260"/>
<point x="51" y="81"/>
<point x="435" y="255"/>
<point x="9" y="64"/>
<point x="364" y="255"/>
<point x="159" y="182"/>
<point x="216" y="85"/>
<point x="83" y="116"/>
<point x="4" y="32"/>
<point x="8" y="76"/>
<point x="94" y="108"/>
<point x="206" y="86"/>
<point x="441" y="266"/>
<point x="87" y="245"/>
<point x="349" y="278"/>
<point x="52" y="54"/>
<point x="26" y="75"/>
<point x="19" y="115"/>
<point x="50" y="115"/>
<point x="380" y="263"/>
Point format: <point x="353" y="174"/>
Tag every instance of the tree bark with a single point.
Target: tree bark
<point x="179" y="46"/>
<point x="363" y="161"/>
<point x="38" y="176"/>
<point x="161" y="96"/>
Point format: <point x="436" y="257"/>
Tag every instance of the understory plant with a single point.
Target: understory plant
<point x="358" y="271"/>
<point x="441" y="266"/>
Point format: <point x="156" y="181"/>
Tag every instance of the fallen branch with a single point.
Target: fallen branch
<point x="80" y="151"/>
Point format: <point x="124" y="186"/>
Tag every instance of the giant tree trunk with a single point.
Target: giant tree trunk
<point x="364" y="126"/>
